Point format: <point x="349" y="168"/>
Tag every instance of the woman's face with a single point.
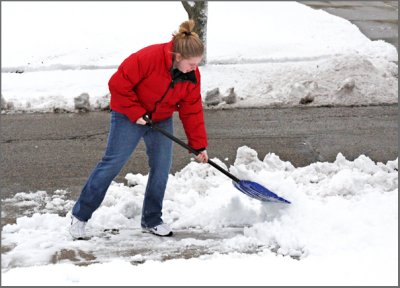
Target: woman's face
<point x="187" y="65"/>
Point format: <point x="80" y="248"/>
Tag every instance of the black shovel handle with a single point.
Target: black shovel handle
<point x="187" y="147"/>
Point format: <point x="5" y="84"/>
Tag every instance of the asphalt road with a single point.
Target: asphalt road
<point x="58" y="151"/>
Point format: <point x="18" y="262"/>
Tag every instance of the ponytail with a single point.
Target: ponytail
<point x="186" y="42"/>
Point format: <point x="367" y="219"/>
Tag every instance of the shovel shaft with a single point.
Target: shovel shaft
<point x="219" y="168"/>
<point x="184" y="145"/>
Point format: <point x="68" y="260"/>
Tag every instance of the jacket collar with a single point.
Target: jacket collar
<point x="178" y="76"/>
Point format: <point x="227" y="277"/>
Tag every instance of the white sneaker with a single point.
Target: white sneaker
<point x="159" y="230"/>
<point x="77" y="228"/>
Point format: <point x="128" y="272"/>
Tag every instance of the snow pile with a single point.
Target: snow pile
<point x="51" y="91"/>
<point x="36" y="202"/>
<point x="273" y="54"/>
<point x="342" y="209"/>
<point x="284" y="31"/>
<point x="341" y="80"/>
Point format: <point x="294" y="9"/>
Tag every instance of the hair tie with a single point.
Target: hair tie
<point x="187" y="33"/>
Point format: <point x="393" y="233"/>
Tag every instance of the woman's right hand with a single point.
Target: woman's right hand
<point x="141" y="121"/>
<point x="202" y="157"/>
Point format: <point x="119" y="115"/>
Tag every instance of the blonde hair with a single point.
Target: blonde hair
<point x="186" y="42"/>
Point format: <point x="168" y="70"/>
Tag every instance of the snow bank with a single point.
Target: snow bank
<point x="323" y="82"/>
<point x="340" y="80"/>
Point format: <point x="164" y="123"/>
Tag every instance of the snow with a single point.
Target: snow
<point x="272" y="53"/>
<point x="339" y="271"/>
<point x="342" y="225"/>
<point x="341" y="228"/>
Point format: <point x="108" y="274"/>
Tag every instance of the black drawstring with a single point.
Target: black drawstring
<point x="171" y="85"/>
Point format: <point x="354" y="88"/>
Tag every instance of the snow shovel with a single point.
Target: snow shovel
<point x="249" y="188"/>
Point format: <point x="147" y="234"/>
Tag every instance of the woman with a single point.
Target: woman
<point x="153" y="82"/>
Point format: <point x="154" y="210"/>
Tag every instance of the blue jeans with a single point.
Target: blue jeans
<point x="123" y="138"/>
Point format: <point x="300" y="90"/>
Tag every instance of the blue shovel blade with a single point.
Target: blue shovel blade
<point x="258" y="191"/>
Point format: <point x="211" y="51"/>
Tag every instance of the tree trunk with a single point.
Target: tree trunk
<point x="198" y="11"/>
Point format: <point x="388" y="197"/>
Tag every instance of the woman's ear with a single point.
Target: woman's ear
<point x="178" y="57"/>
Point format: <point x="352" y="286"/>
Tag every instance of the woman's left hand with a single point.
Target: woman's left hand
<point x="202" y="157"/>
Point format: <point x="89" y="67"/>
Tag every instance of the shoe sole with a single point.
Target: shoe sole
<point x="151" y="232"/>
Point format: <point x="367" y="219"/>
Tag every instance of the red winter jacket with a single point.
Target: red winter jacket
<point x="144" y="82"/>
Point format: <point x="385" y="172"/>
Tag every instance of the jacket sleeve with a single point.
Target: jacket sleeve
<point x="192" y="117"/>
<point x="121" y="85"/>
